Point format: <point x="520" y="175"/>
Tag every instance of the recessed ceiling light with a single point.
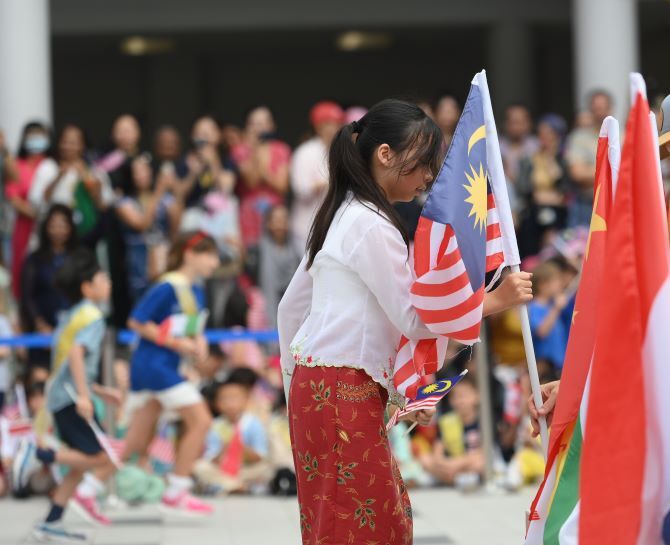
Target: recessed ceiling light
<point x="354" y="40"/>
<point x="141" y="45"/>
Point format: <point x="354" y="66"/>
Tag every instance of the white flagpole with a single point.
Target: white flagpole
<point x="498" y="185"/>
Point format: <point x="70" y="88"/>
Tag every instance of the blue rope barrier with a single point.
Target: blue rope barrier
<point x="126" y="337"/>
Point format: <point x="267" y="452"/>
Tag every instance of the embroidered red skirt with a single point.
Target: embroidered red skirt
<point x="349" y="487"/>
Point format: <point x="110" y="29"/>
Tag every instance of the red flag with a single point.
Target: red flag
<point x="231" y="462"/>
<point x="619" y="486"/>
<point x="579" y="351"/>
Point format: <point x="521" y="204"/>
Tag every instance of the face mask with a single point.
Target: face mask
<point x="37" y="143"/>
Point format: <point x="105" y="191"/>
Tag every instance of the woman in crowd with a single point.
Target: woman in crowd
<point x="263" y="163"/>
<point x="543" y="182"/>
<point x="35" y="146"/>
<point x="71" y="180"/>
<point x="41" y="301"/>
<point x="149" y="217"/>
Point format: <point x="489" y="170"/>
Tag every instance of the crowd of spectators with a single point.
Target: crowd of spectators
<point x="255" y="195"/>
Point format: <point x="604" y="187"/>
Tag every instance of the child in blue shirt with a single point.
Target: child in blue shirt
<point x="550" y="332"/>
<point x="77" y="344"/>
<point x="163" y="319"/>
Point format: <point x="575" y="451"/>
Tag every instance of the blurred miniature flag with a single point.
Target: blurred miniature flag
<point x="231" y="462"/>
<point x="625" y="473"/>
<point x="464" y="232"/>
<point x="555" y="511"/>
<point x="182" y="325"/>
<point x="427" y="397"/>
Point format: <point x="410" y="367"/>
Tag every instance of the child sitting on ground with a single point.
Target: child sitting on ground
<point x="458" y="450"/>
<point x="236" y="453"/>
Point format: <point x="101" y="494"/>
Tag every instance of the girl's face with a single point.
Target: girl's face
<point x="142" y="174"/>
<point x="399" y="185"/>
<point x="37" y="141"/>
<point x="58" y="230"/>
<point x="203" y="264"/>
<point x="278" y="223"/>
<point x="71" y="144"/>
<point x="547" y="137"/>
<point x="126" y="133"/>
<point x="206" y="130"/>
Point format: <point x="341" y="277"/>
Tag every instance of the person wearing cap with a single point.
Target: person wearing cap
<point x="309" y="168"/>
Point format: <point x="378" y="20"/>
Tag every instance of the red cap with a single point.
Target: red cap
<point x="326" y="112"/>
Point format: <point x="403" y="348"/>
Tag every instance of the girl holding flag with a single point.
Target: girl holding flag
<point x="169" y="320"/>
<point x="340" y="323"/>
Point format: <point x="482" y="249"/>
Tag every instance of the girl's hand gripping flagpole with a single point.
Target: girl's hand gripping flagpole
<point x="510" y="249"/>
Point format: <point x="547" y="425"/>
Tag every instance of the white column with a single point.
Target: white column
<point x="606" y="49"/>
<point x="510" y="64"/>
<point x="25" y="65"/>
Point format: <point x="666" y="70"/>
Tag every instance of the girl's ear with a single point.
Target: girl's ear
<point x="385" y="155"/>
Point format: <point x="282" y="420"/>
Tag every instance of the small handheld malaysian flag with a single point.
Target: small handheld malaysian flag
<point x="427" y="397"/>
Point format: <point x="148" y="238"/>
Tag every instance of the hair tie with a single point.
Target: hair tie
<point x="195" y="240"/>
<point x="356" y="127"/>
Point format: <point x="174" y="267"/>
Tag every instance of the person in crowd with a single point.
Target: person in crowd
<point x="236" y="457"/>
<point x="42" y="302"/>
<point x="70" y="179"/>
<point x="7" y="172"/>
<point x="6" y="330"/>
<point x="35" y="146"/>
<point x="543" y="182"/>
<point x="550" y="336"/>
<point x="167" y="153"/>
<point x="357" y="272"/>
<point x="458" y="457"/>
<point x="279" y="258"/>
<point x="309" y="168"/>
<point x="447" y="112"/>
<point x="263" y="163"/>
<point x="155" y="381"/>
<point x="149" y="217"/>
<point x="77" y="348"/>
<point x="125" y="136"/>
<point x="209" y="168"/>
<point x="517" y="144"/>
<point x="580" y="154"/>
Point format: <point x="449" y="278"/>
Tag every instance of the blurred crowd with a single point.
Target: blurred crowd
<point x="256" y="195"/>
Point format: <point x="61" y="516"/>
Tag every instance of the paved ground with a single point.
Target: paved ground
<point x="442" y="517"/>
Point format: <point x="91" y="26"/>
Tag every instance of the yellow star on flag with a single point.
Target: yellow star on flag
<point x="598" y="223"/>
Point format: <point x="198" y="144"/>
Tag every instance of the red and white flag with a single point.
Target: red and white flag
<point x="625" y="471"/>
<point x="464" y="232"/>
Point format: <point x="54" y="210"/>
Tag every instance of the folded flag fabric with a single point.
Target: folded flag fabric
<point x="427" y="397"/>
<point x="465" y="231"/>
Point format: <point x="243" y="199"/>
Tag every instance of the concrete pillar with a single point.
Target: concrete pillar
<point x="510" y="68"/>
<point x="25" y="65"/>
<point x="606" y="49"/>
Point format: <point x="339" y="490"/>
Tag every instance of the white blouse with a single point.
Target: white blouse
<point x="351" y="307"/>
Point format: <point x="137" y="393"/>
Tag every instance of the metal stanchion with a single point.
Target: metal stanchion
<point x="486" y="407"/>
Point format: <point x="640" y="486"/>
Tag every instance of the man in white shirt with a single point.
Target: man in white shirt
<point x="309" y="169"/>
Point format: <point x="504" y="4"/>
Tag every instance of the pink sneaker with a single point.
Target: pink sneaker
<point x="88" y="509"/>
<point x="187" y="504"/>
